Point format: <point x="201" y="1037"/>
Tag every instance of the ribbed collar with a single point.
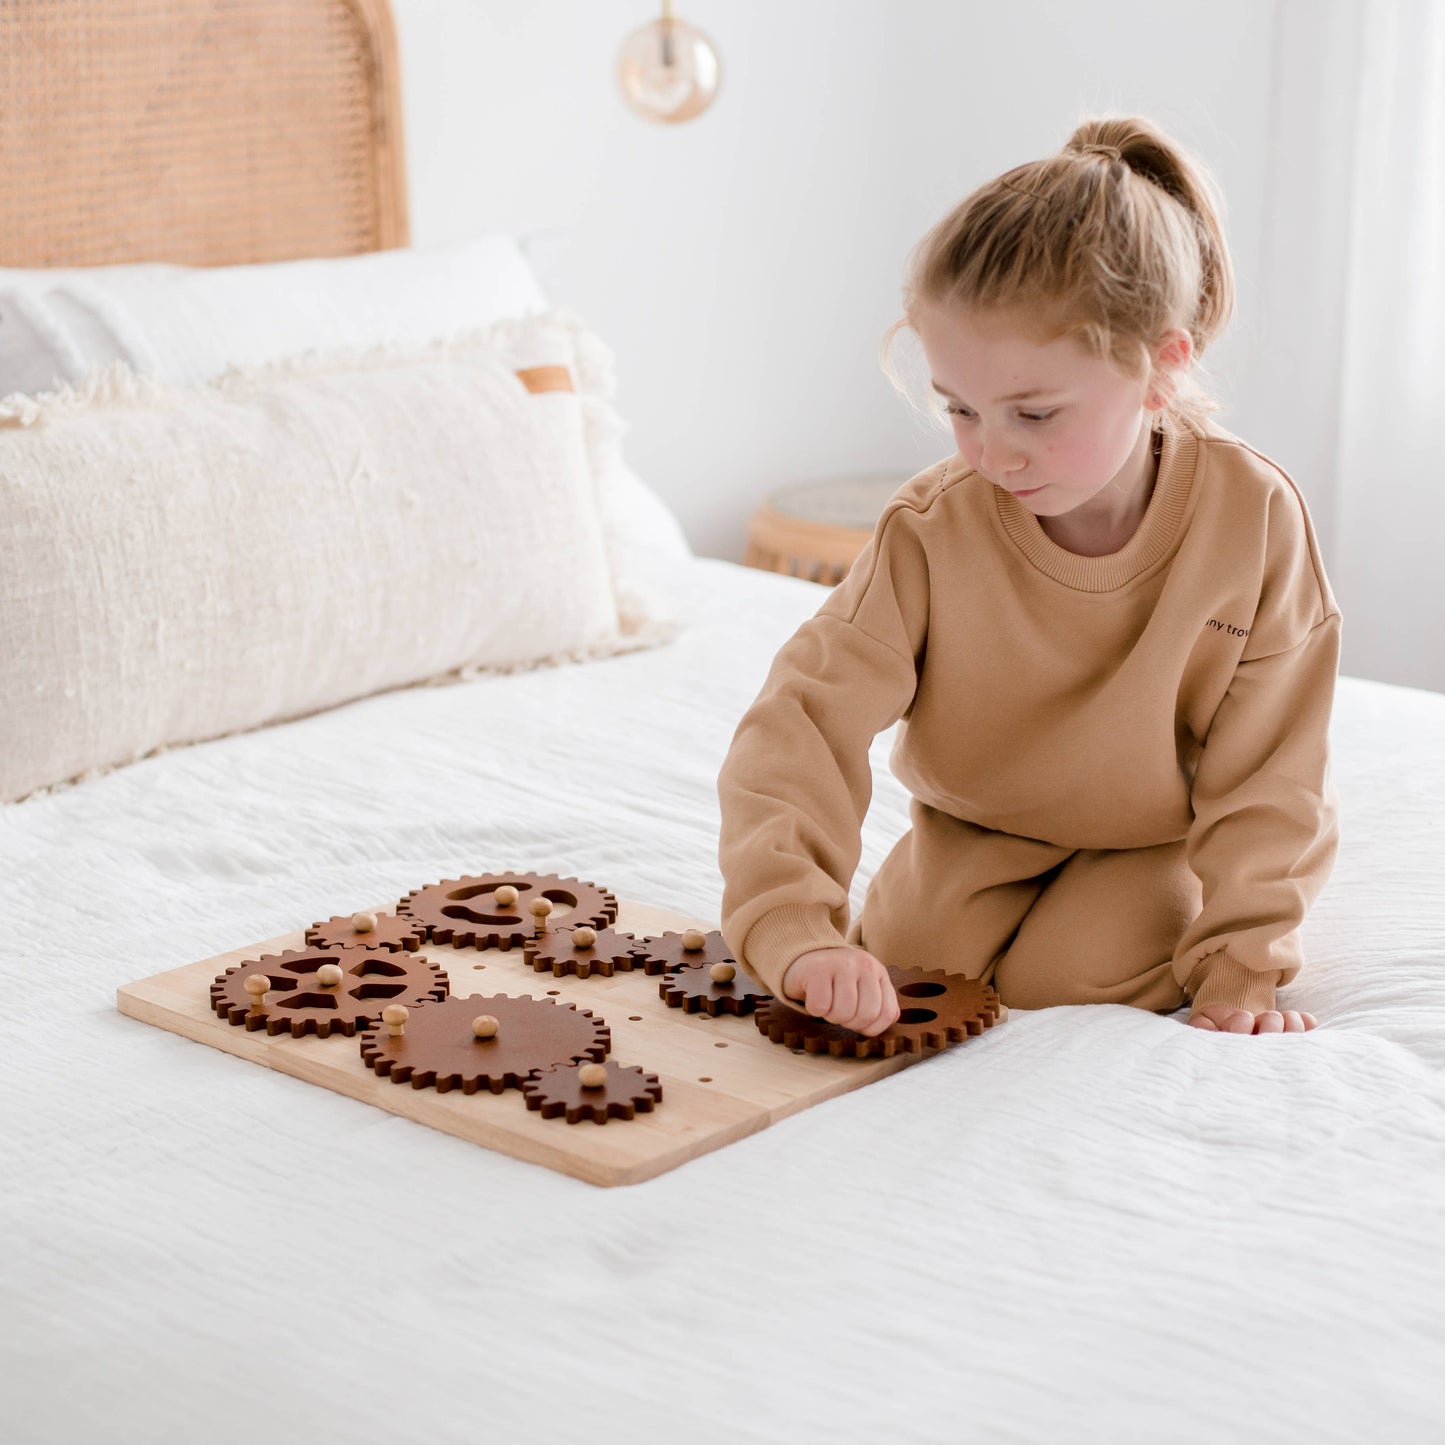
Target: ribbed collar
<point x="1153" y="538"/>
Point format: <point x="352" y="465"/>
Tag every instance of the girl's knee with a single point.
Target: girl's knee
<point x="1027" y="982"/>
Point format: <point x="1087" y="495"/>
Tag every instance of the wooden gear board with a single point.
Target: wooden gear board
<point x="722" y="1079"/>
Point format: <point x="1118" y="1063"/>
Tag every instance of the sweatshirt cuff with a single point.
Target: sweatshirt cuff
<point x="1220" y="979"/>
<point x="782" y="935"/>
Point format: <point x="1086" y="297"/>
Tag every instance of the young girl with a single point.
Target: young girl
<point x="1103" y="621"/>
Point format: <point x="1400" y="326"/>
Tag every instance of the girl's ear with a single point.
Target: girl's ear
<point x="1172" y="354"/>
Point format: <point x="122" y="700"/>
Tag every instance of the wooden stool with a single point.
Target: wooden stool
<point x="816" y="530"/>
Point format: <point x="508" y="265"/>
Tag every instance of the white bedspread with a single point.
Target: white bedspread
<point x="1093" y="1224"/>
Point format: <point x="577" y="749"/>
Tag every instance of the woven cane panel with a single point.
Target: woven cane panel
<point x="207" y="132"/>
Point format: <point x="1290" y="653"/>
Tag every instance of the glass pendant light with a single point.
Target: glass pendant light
<point x="668" y="69"/>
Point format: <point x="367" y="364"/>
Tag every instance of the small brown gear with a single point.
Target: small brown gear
<point x="465" y="911"/>
<point x="388" y="932"/>
<point x="667" y="952"/>
<point x="937" y="1008"/>
<point x="560" y="1091"/>
<point x="438" y="1048"/>
<point x="558" y="952"/>
<point x="694" y="989"/>
<point x="297" y="1003"/>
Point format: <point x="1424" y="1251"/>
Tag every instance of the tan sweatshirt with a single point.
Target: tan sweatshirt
<point x="1178" y="689"/>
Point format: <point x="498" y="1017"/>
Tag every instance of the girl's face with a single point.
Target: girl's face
<point x="1043" y="420"/>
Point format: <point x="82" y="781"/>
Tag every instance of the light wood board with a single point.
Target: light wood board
<point x="722" y="1078"/>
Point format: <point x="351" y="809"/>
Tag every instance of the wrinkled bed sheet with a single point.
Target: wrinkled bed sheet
<point x="1093" y="1224"/>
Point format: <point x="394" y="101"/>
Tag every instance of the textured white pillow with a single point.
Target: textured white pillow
<point x="192" y="323"/>
<point x="181" y="562"/>
<point x="185" y="323"/>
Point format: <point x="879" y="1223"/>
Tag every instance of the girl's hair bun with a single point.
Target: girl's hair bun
<point x="1115" y="240"/>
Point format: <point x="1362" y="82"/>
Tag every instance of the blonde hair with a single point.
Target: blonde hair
<point x="1113" y="241"/>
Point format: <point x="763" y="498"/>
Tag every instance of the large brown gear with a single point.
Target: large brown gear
<point x="437" y="1047"/>
<point x="560" y="1091"/>
<point x="937" y="1009"/>
<point x="465" y="911"/>
<point x="297" y="1003"/>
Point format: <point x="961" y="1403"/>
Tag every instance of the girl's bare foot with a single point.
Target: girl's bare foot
<point x="1220" y="1018"/>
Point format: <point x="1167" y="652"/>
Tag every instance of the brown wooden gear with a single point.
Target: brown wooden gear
<point x="437" y="1047"/>
<point x="938" y="1008"/>
<point x="390" y="933"/>
<point x="556" y="952"/>
<point x="560" y="1092"/>
<point x="666" y="954"/>
<point x="695" y="990"/>
<point x="465" y="911"/>
<point x="298" y="1004"/>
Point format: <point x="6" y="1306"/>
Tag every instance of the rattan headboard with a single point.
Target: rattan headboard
<point x="207" y="132"/>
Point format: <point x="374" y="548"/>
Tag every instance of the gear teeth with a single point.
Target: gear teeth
<point x="421" y="981"/>
<point x="664" y="953"/>
<point x="558" y="1091"/>
<point x="508" y="928"/>
<point x="338" y="933"/>
<point x="953" y="1008"/>
<point x="693" y="989"/>
<point x="444" y="1054"/>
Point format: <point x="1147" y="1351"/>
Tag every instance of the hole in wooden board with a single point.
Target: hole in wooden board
<point x="705" y="1080"/>
<point x="552" y="991"/>
<point x="634" y="1018"/>
<point x="719" y="1046"/>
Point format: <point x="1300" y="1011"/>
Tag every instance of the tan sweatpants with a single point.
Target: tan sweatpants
<point x="1044" y="924"/>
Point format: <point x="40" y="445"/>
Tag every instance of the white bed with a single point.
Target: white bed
<point x="1091" y="1224"/>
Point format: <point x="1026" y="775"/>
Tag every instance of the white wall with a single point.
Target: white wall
<point x="743" y="266"/>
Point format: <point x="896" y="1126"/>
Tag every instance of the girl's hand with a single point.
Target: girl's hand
<point x="844" y="985"/>
<point x="1221" y="1018"/>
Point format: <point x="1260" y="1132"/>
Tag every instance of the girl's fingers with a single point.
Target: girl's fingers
<point x="1203" y="1021"/>
<point x="819" y="1002"/>
<point x="886" y="1014"/>
<point x="892" y="1009"/>
<point x="1309" y="1021"/>
<point x="1271" y="1021"/>
<point x="845" y="999"/>
<point x="867" y="1005"/>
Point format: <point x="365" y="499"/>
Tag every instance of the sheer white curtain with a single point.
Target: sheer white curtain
<point x="1353" y="362"/>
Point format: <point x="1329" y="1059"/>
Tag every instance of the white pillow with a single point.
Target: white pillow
<point x="184" y="324"/>
<point x="187" y="561"/>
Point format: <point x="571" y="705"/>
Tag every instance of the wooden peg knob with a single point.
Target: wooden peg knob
<point x="329" y="975"/>
<point x="540" y="908"/>
<point x="723" y="972"/>
<point x="484" y="1026"/>
<point x="394" y="1016"/>
<point x="506" y="895"/>
<point x="694" y="940"/>
<point x="363" y="922"/>
<point x="584" y="937"/>
<point x="257" y="985"/>
<point x="592" y="1076"/>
